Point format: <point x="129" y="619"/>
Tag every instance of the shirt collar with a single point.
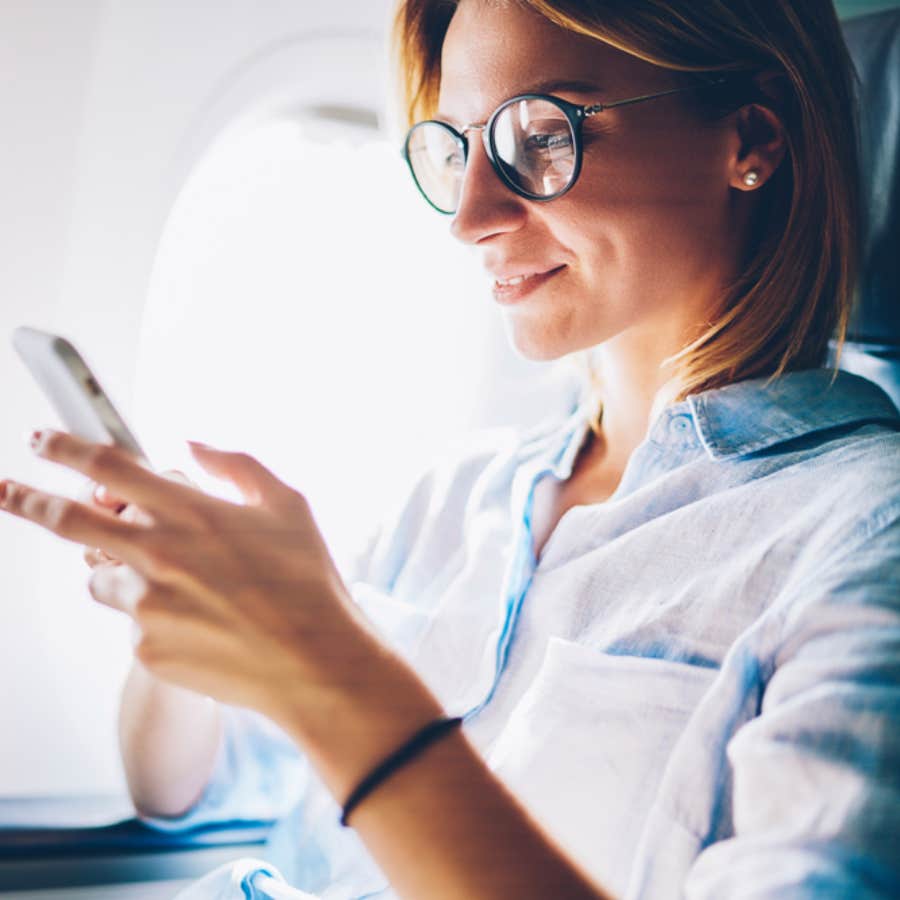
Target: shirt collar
<point x="752" y="415"/>
<point x="739" y="418"/>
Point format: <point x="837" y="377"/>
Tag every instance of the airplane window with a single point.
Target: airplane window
<point x="307" y="307"/>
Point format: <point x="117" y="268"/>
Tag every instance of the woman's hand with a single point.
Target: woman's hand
<point x="98" y="496"/>
<point x="239" y="602"/>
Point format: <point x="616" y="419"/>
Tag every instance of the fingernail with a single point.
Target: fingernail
<point x="2" y="492"/>
<point x="37" y="440"/>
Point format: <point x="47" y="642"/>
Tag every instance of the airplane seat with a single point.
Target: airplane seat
<point x="873" y="339"/>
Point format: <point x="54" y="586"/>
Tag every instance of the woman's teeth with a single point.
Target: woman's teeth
<point x="509" y="282"/>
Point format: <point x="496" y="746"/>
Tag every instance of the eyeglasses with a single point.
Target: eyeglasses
<point x="533" y="141"/>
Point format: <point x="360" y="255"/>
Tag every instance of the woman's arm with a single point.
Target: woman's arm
<point x="168" y="738"/>
<point x="442" y="825"/>
<point x="815" y="803"/>
<point x="243" y="603"/>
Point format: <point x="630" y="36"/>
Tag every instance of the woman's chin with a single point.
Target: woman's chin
<point x="539" y="345"/>
<point x="537" y="351"/>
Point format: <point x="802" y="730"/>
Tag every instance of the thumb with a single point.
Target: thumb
<point x="177" y="476"/>
<point x="255" y="482"/>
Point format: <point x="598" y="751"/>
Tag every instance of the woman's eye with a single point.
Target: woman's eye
<point x="548" y="141"/>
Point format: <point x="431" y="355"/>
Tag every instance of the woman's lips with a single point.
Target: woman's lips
<point x="512" y="293"/>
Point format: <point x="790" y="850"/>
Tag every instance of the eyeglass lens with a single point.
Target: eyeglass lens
<point x="533" y="145"/>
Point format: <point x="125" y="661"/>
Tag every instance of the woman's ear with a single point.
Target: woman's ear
<point x="760" y="141"/>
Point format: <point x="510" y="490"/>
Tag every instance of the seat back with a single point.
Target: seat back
<point x="873" y="340"/>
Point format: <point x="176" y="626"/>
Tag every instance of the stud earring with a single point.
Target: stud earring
<point x="751" y="177"/>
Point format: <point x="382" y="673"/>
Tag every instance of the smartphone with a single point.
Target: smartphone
<point x="73" y="390"/>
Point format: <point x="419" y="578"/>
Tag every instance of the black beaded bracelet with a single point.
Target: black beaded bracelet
<point x="416" y="744"/>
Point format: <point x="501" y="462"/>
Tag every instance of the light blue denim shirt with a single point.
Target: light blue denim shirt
<point x="696" y="688"/>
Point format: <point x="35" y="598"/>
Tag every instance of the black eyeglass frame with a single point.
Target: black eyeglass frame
<point x="574" y="112"/>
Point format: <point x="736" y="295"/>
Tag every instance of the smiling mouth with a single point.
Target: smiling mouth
<point x="510" y="289"/>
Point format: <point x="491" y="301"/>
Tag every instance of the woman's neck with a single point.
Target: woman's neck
<point x="634" y="389"/>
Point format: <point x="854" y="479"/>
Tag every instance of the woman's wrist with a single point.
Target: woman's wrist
<point x="414" y="746"/>
<point x="351" y="723"/>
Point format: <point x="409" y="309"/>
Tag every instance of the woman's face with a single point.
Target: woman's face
<point x="649" y="233"/>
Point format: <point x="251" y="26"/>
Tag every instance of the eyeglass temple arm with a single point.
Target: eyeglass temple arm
<point x="599" y="107"/>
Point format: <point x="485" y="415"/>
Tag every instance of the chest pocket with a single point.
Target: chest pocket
<point x="586" y="746"/>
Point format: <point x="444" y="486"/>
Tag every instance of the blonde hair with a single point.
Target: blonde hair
<point x="797" y="284"/>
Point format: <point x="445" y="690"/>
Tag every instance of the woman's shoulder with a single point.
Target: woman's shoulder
<point x="477" y="466"/>
<point x="804" y="408"/>
<point x="497" y="451"/>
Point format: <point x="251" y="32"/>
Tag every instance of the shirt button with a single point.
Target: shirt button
<point x="682" y="425"/>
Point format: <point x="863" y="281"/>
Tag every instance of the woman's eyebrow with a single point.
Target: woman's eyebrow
<point x="574" y="86"/>
<point x="543" y="87"/>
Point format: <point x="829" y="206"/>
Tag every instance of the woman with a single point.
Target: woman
<point x="689" y="685"/>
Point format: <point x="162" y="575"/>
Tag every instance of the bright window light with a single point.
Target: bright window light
<point x="308" y="307"/>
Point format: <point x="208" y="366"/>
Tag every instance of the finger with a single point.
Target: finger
<point x="206" y="660"/>
<point x="85" y="493"/>
<point x="88" y="494"/>
<point x="155" y="609"/>
<point x="127" y="590"/>
<point x="122" y="474"/>
<point x="132" y="513"/>
<point x="257" y="484"/>
<point x="77" y="522"/>
<point x="100" y="495"/>
<point x="105" y="498"/>
<point x="94" y="557"/>
<point x="119" y="587"/>
<point x="178" y="477"/>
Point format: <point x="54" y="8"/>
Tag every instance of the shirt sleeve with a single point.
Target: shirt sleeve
<point x="258" y="775"/>
<point x="816" y="775"/>
<point x="396" y="580"/>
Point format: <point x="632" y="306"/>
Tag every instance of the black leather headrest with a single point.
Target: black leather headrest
<point x="874" y="44"/>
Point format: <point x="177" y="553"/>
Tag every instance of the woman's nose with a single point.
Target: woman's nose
<point x="486" y="205"/>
